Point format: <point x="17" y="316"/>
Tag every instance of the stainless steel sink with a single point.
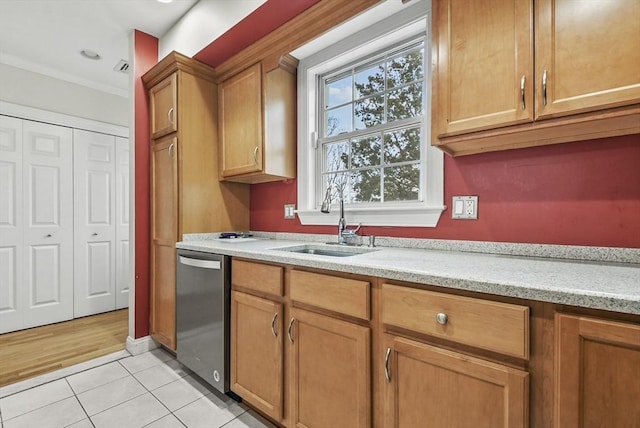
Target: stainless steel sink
<point x="323" y="250"/>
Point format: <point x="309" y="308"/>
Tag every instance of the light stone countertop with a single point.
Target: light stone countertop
<point x="612" y="286"/>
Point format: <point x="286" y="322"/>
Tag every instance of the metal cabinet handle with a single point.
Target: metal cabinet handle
<point x="289" y="329"/>
<point x="273" y="325"/>
<point x="94" y="234"/>
<point x="170" y="116"/>
<point x="522" y="81"/>
<point x="387" y="375"/>
<point x="544" y="88"/>
<point x="255" y="155"/>
<point x="442" y="318"/>
<point x="171" y="149"/>
<point x="48" y="235"/>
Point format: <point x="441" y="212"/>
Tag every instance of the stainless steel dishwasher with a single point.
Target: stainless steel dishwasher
<point x="203" y="299"/>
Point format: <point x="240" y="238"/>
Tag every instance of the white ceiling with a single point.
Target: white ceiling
<point x="46" y="36"/>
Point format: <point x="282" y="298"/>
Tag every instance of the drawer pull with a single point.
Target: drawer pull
<point x="387" y="375"/>
<point x="442" y="318"/>
<point x="273" y="325"/>
<point x="289" y="329"/>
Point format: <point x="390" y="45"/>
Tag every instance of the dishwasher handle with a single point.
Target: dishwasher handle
<point x="205" y="264"/>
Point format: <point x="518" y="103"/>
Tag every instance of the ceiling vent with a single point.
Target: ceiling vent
<point x="122" y="67"/>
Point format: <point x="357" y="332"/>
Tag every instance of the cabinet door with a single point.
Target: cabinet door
<point x="483" y="77"/>
<point x="11" y="225"/>
<point x="241" y="130"/>
<point x="94" y="224"/>
<point x="448" y="389"/>
<point x="597" y="373"/>
<point x="257" y="352"/>
<point x="587" y="55"/>
<point x="164" y="234"/>
<point x="48" y="212"/>
<point x="163" y="98"/>
<point x="330" y="383"/>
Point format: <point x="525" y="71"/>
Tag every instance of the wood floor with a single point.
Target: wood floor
<point x="32" y="352"/>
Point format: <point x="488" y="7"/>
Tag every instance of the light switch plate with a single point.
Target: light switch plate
<point x="289" y="211"/>
<point x="464" y="207"/>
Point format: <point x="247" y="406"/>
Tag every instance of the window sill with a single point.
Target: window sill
<point x="403" y="217"/>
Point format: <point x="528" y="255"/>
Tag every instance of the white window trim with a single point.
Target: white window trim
<point x="411" y="20"/>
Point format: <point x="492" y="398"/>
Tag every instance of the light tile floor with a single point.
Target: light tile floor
<point x="147" y="390"/>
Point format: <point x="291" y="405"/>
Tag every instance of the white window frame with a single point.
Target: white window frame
<point x="411" y="20"/>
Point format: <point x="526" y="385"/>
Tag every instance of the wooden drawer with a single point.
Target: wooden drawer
<point x="346" y="296"/>
<point x="499" y="327"/>
<point x="257" y="276"/>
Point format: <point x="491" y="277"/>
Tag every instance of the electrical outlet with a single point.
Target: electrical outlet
<point x="289" y="211"/>
<point x="464" y="207"/>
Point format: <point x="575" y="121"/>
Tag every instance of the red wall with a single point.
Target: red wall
<point x="146" y="56"/>
<point x="583" y="193"/>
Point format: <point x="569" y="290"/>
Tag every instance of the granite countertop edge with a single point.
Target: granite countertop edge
<point x="605" y="285"/>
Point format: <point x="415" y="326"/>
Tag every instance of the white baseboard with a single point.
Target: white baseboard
<point x="140" y="345"/>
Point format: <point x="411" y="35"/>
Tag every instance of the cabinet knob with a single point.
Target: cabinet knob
<point x="442" y="318"/>
<point x="48" y="235"/>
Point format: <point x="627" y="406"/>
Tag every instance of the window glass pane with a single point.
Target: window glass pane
<point x="404" y="102"/>
<point x="338" y="92"/>
<point x="366" y="151"/>
<point x="338" y="121"/>
<point x="402" y="183"/>
<point x="402" y="146"/>
<point x="369" y="112"/>
<point x="336" y="156"/>
<point x="369" y="81"/>
<point x="338" y="184"/>
<point x="365" y="186"/>
<point x="406" y="68"/>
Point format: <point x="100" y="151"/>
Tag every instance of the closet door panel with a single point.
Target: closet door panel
<point x="94" y="219"/>
<point x="123" y="277"/>
<point x="48" y="231"/>
<point x="11" y="228"/>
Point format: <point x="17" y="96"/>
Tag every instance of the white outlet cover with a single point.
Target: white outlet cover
<point x="464" y="207"/>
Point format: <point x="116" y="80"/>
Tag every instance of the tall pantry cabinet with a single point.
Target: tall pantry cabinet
<point x="186" y="196"/>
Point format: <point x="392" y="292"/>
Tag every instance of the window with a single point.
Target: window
<point x="363" y="122"/>
<point x="371" y="128"/>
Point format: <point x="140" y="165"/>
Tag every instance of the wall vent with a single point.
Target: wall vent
<point x="122" y="66"/>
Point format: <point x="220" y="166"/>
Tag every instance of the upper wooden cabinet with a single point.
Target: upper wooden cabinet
<point x="587" y="55"/>
<point x="485" y="53"/>
<point x="489" y="93"/>
<point x="186" y="196"/>
<point x="163" y="100"/>
<point x="257" y="118"/>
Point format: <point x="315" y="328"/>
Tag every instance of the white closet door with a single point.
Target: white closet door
<point x="94" y="212"/>
<point x="123" y="276"/>
<point x="48" y="228"/>
<point x="11" y="229"/>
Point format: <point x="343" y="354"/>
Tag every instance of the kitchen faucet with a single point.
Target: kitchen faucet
<point x="343" y="232"/>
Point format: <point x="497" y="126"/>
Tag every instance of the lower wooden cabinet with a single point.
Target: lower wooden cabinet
<point x="330" y="372"/>
<point x="316" y="349"/>
<point x="597" y="373"/>
<point x="425" y="383"/>
<point x="257" y="352"/>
